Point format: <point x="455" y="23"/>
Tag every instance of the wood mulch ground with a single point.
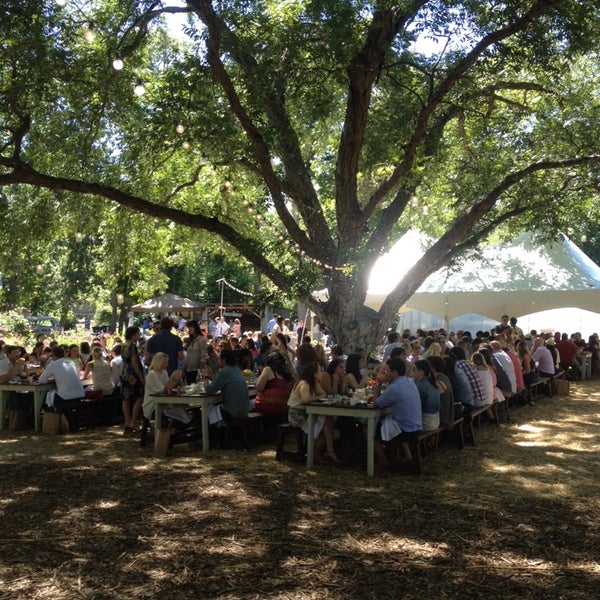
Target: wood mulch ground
<point x="93" y="515"/>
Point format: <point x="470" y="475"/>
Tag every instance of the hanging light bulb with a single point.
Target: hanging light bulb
<point x="89" y="34"/>
<point x="117" y="64"/>
<point x="185" y="145"/>
<point x="584" y="238"/>
<point x="180" y="128"/>
<point x="60" y="2"/>
<point x="79" y="237"/>
<point x="139" y="89"/>
<point x="39" y="269"/>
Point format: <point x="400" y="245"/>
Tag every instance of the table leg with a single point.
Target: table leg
<point x="4" y="396"/>
<point x="310" y="445"/>
<point x="370" y="446"/>
<point x="205" y="427"/>
<point x="38" y="402"/>
<point x="158" y="408"/>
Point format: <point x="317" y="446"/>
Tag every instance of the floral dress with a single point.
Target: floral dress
<point x="131" y="383"/>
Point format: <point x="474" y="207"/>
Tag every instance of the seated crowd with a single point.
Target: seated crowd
<point x="428" y="379"/>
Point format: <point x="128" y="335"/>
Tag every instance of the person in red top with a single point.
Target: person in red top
<point x="568" y="351"/>
<point x="273" y="386"/>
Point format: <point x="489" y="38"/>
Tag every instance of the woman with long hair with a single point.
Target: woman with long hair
<point x="132" y="379"/>
<point x="430" y="395"/>
<point x="195" y="354"/>
<point x="305" y="391"/>
<point x="530" y="374"/>
<point x="332" y="380"/>
<point x="444" y="386"/>
<point x="485" y="375"/>
<point x="356" y="379"/>
<point x="273" y="386"/>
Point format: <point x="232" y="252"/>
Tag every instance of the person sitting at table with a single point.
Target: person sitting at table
<point x="158" y="381"/>
<point x="530" y="375"/>
<point x="13" y="366"/>
<point x="356" y="377"/>
<point x="73" y="354"/>
<point x="487" y="380"/>
<point x="426" y="383"/>
<point x="35" y="356"/>
<point x="273" y="386"/>
<point x="85" y="352"/>
<point x="542" y="356"/>
<point x="305" y="353"/>
<point x="230" y="381"/>
<point x="403" y="397"/>
<point x="100" y="371"/>
<point x="444" y="386"/>
<point x="304" y="392"/>
<point x="332" y="380"/>
<point x="66" y="376"/>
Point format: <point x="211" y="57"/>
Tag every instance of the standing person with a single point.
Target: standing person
<point x="132" y="380"/>
<point x="167" y="342"/>
<point x="195" y="356"/>
<point x="116" y="365"/>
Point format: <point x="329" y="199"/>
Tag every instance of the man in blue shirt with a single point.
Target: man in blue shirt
<point x="230" y="381"/>
<point x="403" y="397"/>
<point x="167" y="342"/>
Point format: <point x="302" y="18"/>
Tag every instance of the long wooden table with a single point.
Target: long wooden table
<point x="204" y="401"/>
<point x="39" y="393"/>
<point x="371" y="414"/>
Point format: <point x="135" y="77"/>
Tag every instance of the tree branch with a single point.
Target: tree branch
<point x="251" y="250"/>
<point x="308" y="204"/>
<point x="453" y="76"/>
<point x="442" y="251"/>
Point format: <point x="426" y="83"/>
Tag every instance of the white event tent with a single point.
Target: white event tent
<point x="517" y="278"/>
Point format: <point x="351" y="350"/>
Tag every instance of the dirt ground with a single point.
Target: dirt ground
<point x="93" y="515"/>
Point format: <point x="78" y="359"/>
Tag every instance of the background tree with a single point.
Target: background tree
<point x="310" y="135"/>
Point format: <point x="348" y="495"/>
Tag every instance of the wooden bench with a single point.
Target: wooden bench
<point x="249" y="429"/>
<point x="475" y="417"/>
<point x="455" y="431"/>
<point x="418" y="444"/>
<point x="541" y="387"/>
<point x="88" y="412"/>
<point x="285" y="431"/>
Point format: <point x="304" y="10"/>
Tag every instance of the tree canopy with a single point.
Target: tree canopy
<point x="306" y="136"/>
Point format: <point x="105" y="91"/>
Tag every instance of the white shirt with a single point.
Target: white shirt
<point x="507" y="366"/>
<point x="65" y="374"/>
<point x="155" y="384"/>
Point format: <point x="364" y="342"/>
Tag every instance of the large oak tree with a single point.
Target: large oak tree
<point x="309" y="136"/>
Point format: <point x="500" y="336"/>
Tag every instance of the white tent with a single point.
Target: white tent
<point x="166" y="303"/>
<point x="516" y="278"/>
